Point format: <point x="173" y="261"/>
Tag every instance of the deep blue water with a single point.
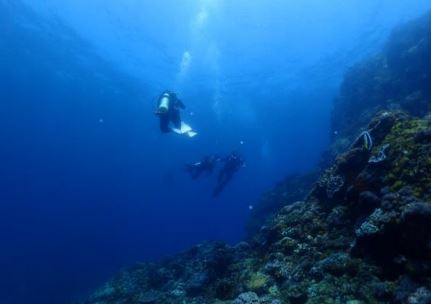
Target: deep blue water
<point x="88" y="184"/>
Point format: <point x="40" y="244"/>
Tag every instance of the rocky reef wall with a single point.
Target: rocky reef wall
<point x="398" y="78"/>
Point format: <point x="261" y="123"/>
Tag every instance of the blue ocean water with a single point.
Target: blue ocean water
<point x="88" y="184"/>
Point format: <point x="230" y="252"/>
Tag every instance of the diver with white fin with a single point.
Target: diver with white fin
<point x="168" y="110"/>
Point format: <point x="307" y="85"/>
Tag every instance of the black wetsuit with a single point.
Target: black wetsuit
<point x="205" y="165"/>
<point x="232" y="164"/>
<point x="173" y="113"/>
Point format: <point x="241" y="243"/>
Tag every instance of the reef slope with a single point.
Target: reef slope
<point x="362" y="235"/>
<point x="397" y="78"/>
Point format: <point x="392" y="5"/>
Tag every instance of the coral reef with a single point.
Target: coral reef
<point x="362" y="234"/>
<point x="397" y="78"/>
<point x="293" y="188"/>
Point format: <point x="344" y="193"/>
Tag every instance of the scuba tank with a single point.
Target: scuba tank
<point x="164" y="103"/>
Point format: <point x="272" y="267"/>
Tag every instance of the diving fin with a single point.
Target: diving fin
<point x="185" y="130"/>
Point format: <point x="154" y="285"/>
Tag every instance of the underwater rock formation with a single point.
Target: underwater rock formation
<point x="293" y="188"/>
<point x="398" y="78"/>
<point x="361" y="235"/>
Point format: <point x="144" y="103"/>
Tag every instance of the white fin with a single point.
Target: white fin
<point x="185" y="130"/>
<point x="192" y="133"/>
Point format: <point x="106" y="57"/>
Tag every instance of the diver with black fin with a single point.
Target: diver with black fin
<point x="168" y="110"/>
<point x="232" y="163"/>
<point x="207" y="165"/>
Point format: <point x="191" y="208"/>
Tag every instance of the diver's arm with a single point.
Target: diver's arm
<point x="180" y="104"/>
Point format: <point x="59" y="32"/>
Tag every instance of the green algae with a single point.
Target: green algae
<point x="257" y="281"/>
<point x="410" y="160"/>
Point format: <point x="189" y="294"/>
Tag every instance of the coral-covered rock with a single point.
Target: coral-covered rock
<point x="294" y="188"/>
<point x="396" y="79"/>
<point x="247" y="298"/>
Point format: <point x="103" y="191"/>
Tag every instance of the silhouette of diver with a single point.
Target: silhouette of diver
<point x="232" y="163"/>
<point x="168" y="110"/>
<point x="207" y="164"/>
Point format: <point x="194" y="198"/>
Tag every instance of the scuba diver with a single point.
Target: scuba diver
<point x="168" y="110"/>
<point x="232" y="164"/>
<point x="207" y="164"/>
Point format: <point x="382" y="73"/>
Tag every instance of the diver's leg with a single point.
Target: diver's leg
<point x="218" y="187"/>
<point x="228" y="177"/>
<point x="164" y="124"/>
<point x="176" y="119"/>
<point x="221" y="176"/>
<point x="220" y="184"/>
<point x="217" y="190"/>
